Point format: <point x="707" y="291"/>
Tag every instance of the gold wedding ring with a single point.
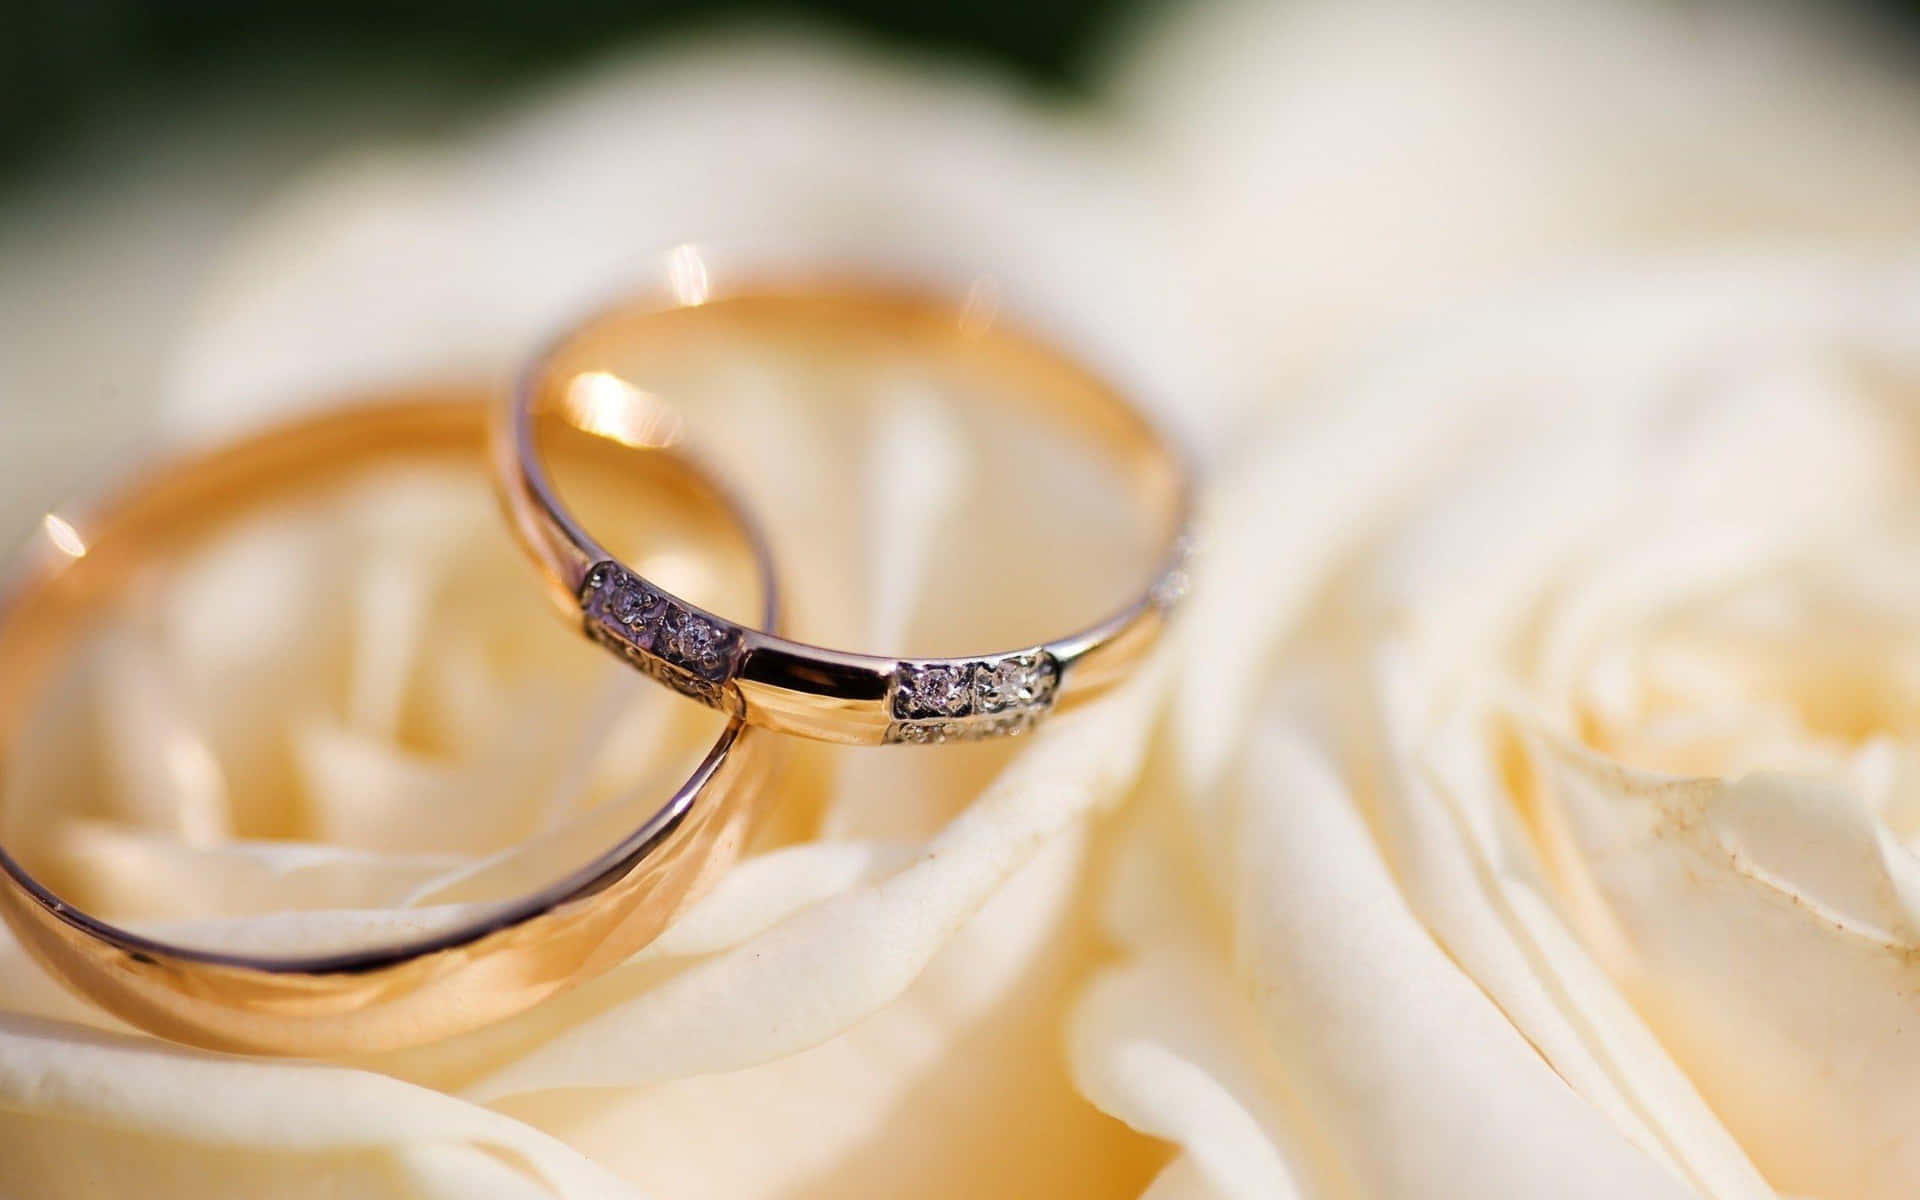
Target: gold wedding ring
<point x="812" y="691"/>
<point x="516" y="954"/>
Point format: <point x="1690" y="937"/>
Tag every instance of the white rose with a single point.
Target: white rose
<point x="1506" y="531"/>
<point x="1340" y="165"/>
<point x="858" y="1007"/>
<point x="1655" y="530"/>
<point x="1393" y="919"/>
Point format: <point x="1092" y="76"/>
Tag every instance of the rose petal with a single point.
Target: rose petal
<point x="1699" y="889"/>
<point x="304" y="1119"/>
<point x="817" y="973"/>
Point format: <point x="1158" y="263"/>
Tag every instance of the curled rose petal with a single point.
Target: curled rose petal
<point x="860" y="949"/>
<point x="253" y="1125"/>
<point x="1324" y="955"/>
<point x="1693" y="884"/>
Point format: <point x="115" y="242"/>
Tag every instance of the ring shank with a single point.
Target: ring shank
<point x="509" y="956"/>
<point x="833" y="695"/>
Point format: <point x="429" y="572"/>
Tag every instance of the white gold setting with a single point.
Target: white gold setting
<point x="943" y="701"/>
<point x="687" y="650"/>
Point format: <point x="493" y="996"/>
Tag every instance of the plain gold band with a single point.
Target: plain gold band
<point x="812" y="691"/>
<point x="518" y="954"/>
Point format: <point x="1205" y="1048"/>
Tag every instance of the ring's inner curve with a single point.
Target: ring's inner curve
<point x="86" y="568"/>
<point x="1069" y="504"/>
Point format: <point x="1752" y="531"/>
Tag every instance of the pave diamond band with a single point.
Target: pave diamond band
<point x="807" y="690"/>
<point x="698" y="654"/>
<point x="684" y="648"/>
<point x="948" y="701"/>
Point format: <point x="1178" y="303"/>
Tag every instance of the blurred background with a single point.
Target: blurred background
<point x="67" y="66"/>
<point x="141" y="140"/>
<point x="74" y="68"/>
<point x="136" y="135"/>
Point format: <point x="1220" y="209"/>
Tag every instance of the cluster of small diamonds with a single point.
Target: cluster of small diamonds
<point x="672" y="642"/>
<point x="938" y="702"/>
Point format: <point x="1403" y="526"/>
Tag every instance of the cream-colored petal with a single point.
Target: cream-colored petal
<point x="1274" y="532"/>
<point x="1169" y="1046"/>
<point x="167" y="777"/>
<point x="827" y="967"/>
<point x="812" y="155"/>
<point x="366" y="792"/>
<point x="1350" y="990"/>
<point x="761" y="892"/>
<point x="1336" y="168"/>
<point x="1182" y="1179"/>
<point x="955" y="1089"/>
<point x="248" y="1121"/>
<point x="118" y="869"/>
<point x="1461" y="856"/>
<point x="749" y="900"/>
<point x="1765" y="928"/>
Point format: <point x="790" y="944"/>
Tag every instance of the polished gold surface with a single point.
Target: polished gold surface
<point x="513" y="956"/>
<point x="809" y="690"/>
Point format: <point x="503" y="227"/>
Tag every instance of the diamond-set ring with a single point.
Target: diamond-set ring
<point x="812" y="691"/>
<point x="449" y="979"/>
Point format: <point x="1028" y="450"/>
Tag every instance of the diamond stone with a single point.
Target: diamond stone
<point x="630" y="604"/>
<point x="1011" y="683"/>
<point x="933" y="691"/>
<point x="696" y="643"/>
<point x="619" y="597"/>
